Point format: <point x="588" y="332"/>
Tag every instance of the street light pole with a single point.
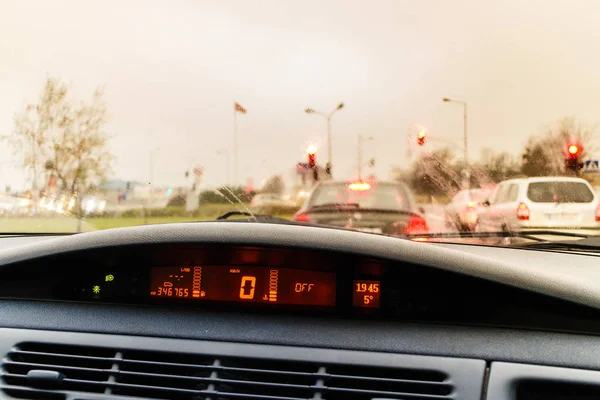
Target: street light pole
<point x="464" y="104"/>
<point x="329" y="166"/>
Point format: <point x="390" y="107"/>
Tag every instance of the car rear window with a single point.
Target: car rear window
<point x="559" y="192"/>
<point x="384" y="197"/>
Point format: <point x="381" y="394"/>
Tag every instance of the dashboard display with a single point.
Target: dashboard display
<point x="366" y="294"/>
<point x="245" y="284"/>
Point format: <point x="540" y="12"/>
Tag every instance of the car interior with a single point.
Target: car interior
<point x="237" y="310"/>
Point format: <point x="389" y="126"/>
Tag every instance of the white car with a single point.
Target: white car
<point x="463" y="210"/>
<point x="265" y="201"/>
<point x="544" y="202"/>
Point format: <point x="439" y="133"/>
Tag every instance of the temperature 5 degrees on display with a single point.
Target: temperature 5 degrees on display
<point x="366" y="294"/>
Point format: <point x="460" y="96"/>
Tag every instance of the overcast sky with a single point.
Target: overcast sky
<point x="172" y="70"/>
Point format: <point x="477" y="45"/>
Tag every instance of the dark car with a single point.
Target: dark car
<point x="378" y="207"/>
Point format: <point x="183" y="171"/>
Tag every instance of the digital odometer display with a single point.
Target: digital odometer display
<point x="245" y="284"/>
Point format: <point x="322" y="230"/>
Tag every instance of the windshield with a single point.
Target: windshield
<point x="450" y="119"/>
<point x="384" y="197"/>
<point x="559" y="192"/>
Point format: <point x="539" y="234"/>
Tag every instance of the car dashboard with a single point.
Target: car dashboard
<point x="212" y="312"/>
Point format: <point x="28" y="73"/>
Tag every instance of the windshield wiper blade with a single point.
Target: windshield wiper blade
<point x="590" y="243"/>
<point x="529" y="234"/>
<point x="253" y="217"/>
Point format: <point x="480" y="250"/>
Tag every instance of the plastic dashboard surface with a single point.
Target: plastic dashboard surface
<point x="461" y="291"/>
<point x="285" y="281"/>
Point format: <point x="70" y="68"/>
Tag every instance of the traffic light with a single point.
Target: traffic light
<point x="421" y="137"/>
<point x="573" y="157"/>
<point x="311" y="152"/>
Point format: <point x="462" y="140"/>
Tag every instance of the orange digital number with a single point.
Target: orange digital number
<point x="370" y="288"/>
<point x="247" y="286"/>
<point x="163" y="291"/>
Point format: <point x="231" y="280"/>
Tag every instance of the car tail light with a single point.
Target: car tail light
<point x="598" y="212"/>
<point x="523" y="212"/>
<point x="416" y="225"/>
<point x="302" y="217"/>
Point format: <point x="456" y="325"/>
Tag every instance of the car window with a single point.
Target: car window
<point x="387" y="197"/>
<point x="559" y="192"/>
<point x="494" y="196"/>
<point x="501" y="196"/>
<point x="512" y="193"/>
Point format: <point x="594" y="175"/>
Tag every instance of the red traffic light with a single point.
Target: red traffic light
<point x="311" y="160"/>
<point x="573" y="149"/>
<point x="573" y="153"/>
<point x="421" y="137"/>
<point x="311" y="152"/>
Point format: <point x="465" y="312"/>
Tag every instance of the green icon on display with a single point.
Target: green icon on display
<point x="109" y="278"/>
<point x="96" y="289"/>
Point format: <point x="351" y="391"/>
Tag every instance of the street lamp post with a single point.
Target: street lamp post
<point x="361" y="139"/>
<point x="328" y="117"/>
<point x="466" y="154"/>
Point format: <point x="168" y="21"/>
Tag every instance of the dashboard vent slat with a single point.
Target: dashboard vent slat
<point x="157" y="375"/>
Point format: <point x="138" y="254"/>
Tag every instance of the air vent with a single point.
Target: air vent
<point x="159" y="375"/>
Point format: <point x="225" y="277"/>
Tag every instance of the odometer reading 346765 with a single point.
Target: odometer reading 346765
<point x="171" y="282"/>
<point x="245" y="284"/>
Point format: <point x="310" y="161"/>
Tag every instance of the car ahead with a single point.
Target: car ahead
<point x="268" y="201"/>
<point x="378" y="207"/>
<point x="544" y="202"/>
<point x="463" y="210"/>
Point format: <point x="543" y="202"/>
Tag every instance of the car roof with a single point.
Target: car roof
<point x="545" y="179"/>
<point x="323" y="183"/>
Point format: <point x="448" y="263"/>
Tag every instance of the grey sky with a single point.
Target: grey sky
<point x="173" y="68"/>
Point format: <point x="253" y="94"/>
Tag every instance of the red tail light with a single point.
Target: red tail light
<point x="302" y="217"/>
<point x="523" y="212"/>
<point x="416" y="225"/>
<point x="598" y="212"/>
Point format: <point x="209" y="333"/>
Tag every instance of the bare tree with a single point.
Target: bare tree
<point x="67" y="141"/>
<point x="545" y="153"/>
<point x="274" y="184"/>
